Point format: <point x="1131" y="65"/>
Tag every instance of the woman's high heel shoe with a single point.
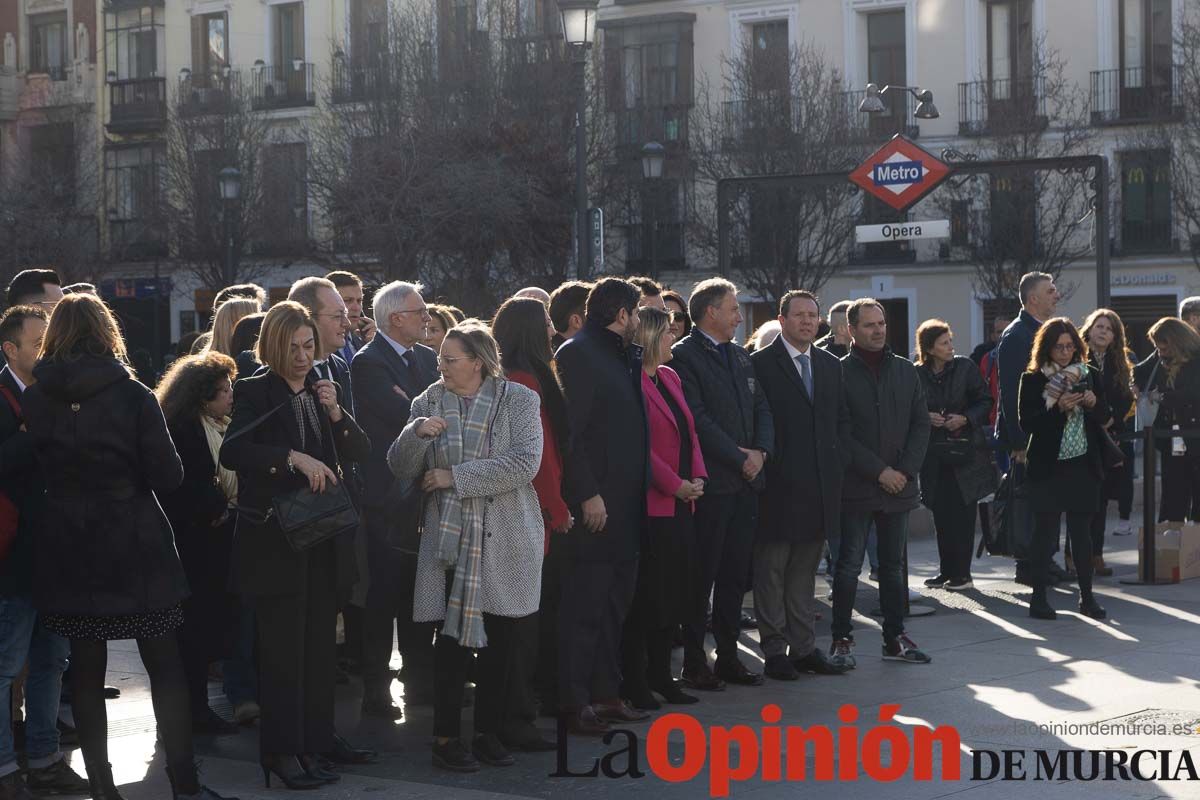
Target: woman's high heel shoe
<point x="288" y="770"/>
<point x="314" y="769"/>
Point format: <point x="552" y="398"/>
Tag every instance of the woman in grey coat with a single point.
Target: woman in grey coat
<point x="474" y="441"/>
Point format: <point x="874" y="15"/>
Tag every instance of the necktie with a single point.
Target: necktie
<point x="806" y="373"/>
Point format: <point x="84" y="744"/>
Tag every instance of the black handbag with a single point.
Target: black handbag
<point x="306" y="518"/>
<point x="954" y="451"/>
<point x="406" y="517"/>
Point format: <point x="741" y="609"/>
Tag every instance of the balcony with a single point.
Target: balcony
<point x="277" y="87"/>
<point x="769" y="119"/>
<point x="136" y="240"/>
<point x="1135" y="95"/>
<point x="1002" y="105"/>
<point x="1144" y="236"/>
<point x="10" y="94"/>
<point x="360" y="83"/>
<point x="201" y="95"/>
<point x="137" y="105"/>
<point x="863" y="127"/>
<point x="667" y="125"/>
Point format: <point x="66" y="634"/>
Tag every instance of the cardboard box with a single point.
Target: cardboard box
<point x="1176" y="551"/>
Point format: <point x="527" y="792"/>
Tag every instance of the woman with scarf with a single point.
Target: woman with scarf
<point x="1062" y="406"/>
<point x="474" y="444"/>
<point x="1176" y="382"/>
<point x="196" y="396"/>
<point x="1105" y="336"/>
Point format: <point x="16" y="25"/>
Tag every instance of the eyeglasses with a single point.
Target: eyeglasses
<point x="1069" y="347"/>
<point x="423" y="310"/>
<point x="340" y="315"/>
<point x="446" y="361"/>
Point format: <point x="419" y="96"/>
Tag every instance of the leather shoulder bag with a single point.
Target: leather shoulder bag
<point x="306" y="518"/>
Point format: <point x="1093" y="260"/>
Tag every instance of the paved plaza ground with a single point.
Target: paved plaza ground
<point x="993" y="670"/>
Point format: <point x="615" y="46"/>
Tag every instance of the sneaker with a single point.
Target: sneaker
<point x="959" y="584"/>
<point x="937" y="582"/>
<point x="842" y="652"/>
<point x="58" y="778"/>
<point x="1124" y="528"/>
<point x="905" y="649"/>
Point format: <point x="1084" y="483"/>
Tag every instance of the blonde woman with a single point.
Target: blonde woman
<point x="225" y="321"/>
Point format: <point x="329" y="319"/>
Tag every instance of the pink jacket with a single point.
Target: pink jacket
<point x="664" y="443"/>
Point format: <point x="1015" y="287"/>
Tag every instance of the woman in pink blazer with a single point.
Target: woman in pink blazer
<point x="666" y="566"/>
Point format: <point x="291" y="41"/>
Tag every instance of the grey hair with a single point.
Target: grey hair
<point x="390" y="298"/>
<point x="1189" y="305"/>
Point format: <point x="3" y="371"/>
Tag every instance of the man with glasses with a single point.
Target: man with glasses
<point x="389" y="372"/>
<point x="35" y="287"/>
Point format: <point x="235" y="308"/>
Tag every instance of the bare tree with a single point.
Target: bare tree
<point x="443" y="150"/>
<point x="213" y="123"/>
<point x="781" y="115"/>
<point x="1020" y="220"/>
<point x="49" y="196"/>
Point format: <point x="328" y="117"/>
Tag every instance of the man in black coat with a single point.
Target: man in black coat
<point x="389" y="372"/>
<point x="837" y="341"/>
<point x="22" y="637"/>
<point x="889" y="434"/>
<point x="733" y="422"/>
<point x="802" y="501"/>
<point x="605" y="485"/>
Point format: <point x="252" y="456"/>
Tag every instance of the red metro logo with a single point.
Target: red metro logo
<point x="900" y="173"/>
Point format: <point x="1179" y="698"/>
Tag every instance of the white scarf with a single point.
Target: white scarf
<point x="214" y="432"/>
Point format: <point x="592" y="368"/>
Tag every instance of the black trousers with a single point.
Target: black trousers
<point x="645" y="645"/>
<point x="1045" y="536"/>
<point x="725" y="526"/>
<point x="390" y="598"/>
<point x="545" y="681"/>
<point x="297" y="661"/>
<point x="520" y="703"/>
<point x="1180" y="488"/>
<point x="954" y="521"/>
<point x="498" y="672"/>
<point x="595" y="601"/>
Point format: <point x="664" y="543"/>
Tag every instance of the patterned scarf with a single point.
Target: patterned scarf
<point x="308" y="418"/>
<point x="460" y="531"/>
<point x="1074" y="438"/>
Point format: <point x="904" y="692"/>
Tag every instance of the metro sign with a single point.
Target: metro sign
<point x="900" y="173"/>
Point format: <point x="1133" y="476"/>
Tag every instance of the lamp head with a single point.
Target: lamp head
<point x="872" y="102"/>
<point x="925" y="107"/>
<point x="653" y="157"/>
<point x="578" y="21"/>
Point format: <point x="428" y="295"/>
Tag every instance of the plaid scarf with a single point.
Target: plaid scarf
<point x="459" y="544"/>
<point x="1063" y="380"/>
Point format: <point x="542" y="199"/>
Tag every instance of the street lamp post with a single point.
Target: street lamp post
<point x="872" y="102"/>
<point x="229" y="180"/>
<point x="579" y="33"/>
<point x="653" y="158"/>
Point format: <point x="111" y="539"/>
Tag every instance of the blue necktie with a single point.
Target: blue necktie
<point x="806" y="373"/>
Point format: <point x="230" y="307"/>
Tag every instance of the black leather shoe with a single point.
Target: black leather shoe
<point x="735" y="672"/>
<point x="778" y="668"/>
<point x="674" y="695"/>
<point x="641" y="697"/>
<point x="1040" y="609"/>
<point x="210" y="723"/>
<point x="619" y="711"/>
<point x="315" y="769"/>
<point x="1090" y="608"/>
<point x="584" y="722"/>
<point x="287" y="769"/>
<point x="454" y="757"/>
<point x="702" y="679"/>
<point x="377" y="702"/>
<point x="817" y="663"/>
<point x="526" y="739"/>
<point x="488" y="748"/>
<point x="344" y="753"/>
<point x="748" y="621"/>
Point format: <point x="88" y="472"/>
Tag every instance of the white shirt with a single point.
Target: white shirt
<point x="706" y="336"/>
<point x="18" y="381"/>
<point x="399" y="348"/>
<point x="793" y="353"/>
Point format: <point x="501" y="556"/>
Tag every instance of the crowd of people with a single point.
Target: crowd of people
<point x="541" y="506"/>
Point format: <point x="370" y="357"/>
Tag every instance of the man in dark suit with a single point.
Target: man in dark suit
<point x="22" y="637"/>
<point x="389" y="372"/>
<point x="605" y="483"/>
<point x="733" y="421"/>
<point x="837" y="341"/>
<point x="322" y="300"/>
<point x="362" y="328"/>
<point x="802" y="502"/>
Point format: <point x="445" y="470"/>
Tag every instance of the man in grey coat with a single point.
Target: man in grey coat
<point x="889" y="436"/>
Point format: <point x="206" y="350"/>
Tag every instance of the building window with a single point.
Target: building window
<point x="1146" y="201"/>
<point x="285" y="197"/>
<point x="1146" y="42"/>
<point x="960" y="223"/>
<point x="210" y="49"/>
<point x="289" y="34"/>
<point x="1009" y="44"/>
<point x="133" y="45"/>
<point x="648" y="81"/>
<point x="886" y="57"/>
<point x="48" y="53"/>
<point x="368" y="30"/>
<point x="133" y="175"/>
<point x="1013" y="216"/>
<point x="654" y="228"/>
<point x="52" y="158"/>
<point x="770" y="65"/>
